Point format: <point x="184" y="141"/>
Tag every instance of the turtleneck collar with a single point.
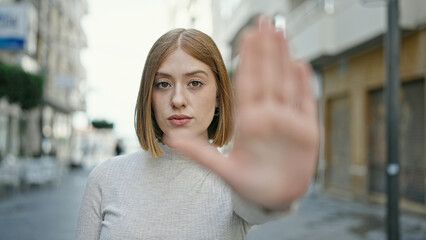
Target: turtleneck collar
<point x="171" y="153"/>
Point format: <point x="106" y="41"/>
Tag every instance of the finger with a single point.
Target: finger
<point x="285" y="85"/>
<point x="208" y="156"/>
<point x="247" y="71"/>
<point x="269" y="59"/>
<point x="306" y="100"/>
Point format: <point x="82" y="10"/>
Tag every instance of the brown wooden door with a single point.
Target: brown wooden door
<point x="411" y="141"/>
<point x="339" y="163"/>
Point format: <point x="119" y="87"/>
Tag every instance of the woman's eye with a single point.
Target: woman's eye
<point x="195" y="83"/>
<point x="162" y="84"/>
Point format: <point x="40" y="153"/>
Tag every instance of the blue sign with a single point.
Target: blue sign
<point x="13" y="26"/>
<point x="12" y="43"/>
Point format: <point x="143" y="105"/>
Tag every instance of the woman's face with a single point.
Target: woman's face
<point x="184" y="96"/>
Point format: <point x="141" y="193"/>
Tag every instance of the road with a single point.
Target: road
<point x="44" y="213"/>
<point x="50" y="213"/>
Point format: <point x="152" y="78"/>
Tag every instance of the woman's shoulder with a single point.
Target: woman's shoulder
<point x="118" y="163"/>
<point x="127" y="158"/>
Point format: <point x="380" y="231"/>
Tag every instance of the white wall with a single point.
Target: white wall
<point x="313" y="32"/>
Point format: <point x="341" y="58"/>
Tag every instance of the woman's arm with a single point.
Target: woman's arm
<point x="277" y="132"/>
<point x="90" y="217"/>
<point x="255" y="214"/>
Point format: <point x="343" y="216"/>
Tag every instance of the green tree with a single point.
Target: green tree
<point x="21" y="87"/>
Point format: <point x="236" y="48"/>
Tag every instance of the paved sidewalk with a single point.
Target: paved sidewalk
<point x="324" y="218"/>
<point x="47" y="212"/>
<point x="50" y="213"/>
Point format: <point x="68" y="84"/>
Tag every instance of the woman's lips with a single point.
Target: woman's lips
<point x="179" y="120"/>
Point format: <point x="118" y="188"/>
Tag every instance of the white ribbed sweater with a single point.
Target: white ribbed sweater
<point x="170" y="197"/>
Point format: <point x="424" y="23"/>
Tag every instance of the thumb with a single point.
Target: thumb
<point x="207" y="155"/>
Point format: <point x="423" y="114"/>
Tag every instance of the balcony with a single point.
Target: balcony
<point x="317" y="31"/>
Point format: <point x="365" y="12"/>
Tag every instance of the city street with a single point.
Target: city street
<point x="324" y="218"/>
<point x="335" y="85"/>
<point x="44" y="213"/>
<point x="50" y="213"/>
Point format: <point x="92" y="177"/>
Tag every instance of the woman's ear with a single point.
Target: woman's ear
<point x="217" y="102"/>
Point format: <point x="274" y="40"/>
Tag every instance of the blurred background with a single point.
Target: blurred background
<point x="70" y="73"/>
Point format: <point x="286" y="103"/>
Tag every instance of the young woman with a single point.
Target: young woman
<point x="181" y="187"/>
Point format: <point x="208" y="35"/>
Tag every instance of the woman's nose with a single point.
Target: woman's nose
<point x="179" y="99"/>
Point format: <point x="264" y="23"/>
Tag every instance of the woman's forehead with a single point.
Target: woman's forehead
<point x="180" y="62"/>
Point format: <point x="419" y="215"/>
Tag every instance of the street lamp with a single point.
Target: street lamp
<point x="392" y="55"/>
<point x="393" y="45"/>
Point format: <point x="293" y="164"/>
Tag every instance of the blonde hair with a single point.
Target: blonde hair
<point x="200" y="46"/>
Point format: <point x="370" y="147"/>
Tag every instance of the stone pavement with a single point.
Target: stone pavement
<point x="324" y="218"/>
<point x="47" y="212"/>
<point x="50" y="213"/>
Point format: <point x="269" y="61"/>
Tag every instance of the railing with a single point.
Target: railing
<point x="327" y="27"/>
<point x="304" y="15"/>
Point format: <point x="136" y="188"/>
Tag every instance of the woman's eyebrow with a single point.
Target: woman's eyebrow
<point x="160" y="74"/>
<point x="166" y="75"/>
<point x="196" y="72"/>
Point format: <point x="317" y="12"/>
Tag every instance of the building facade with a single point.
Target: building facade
<point x="52" y="46"/>
<point x="343" y="41"/>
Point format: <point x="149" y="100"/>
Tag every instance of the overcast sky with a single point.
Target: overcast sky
<point x="120" y="34"/>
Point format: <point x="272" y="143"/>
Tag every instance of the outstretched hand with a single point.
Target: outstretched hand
<point x="277" y="133"/>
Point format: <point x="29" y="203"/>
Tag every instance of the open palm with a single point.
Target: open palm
<point x="277" y="134"/>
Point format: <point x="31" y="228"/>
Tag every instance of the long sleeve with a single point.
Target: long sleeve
<point x="171" y="197"/>
<point x="90" y="217"/>
<point x="254" y="214"/>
